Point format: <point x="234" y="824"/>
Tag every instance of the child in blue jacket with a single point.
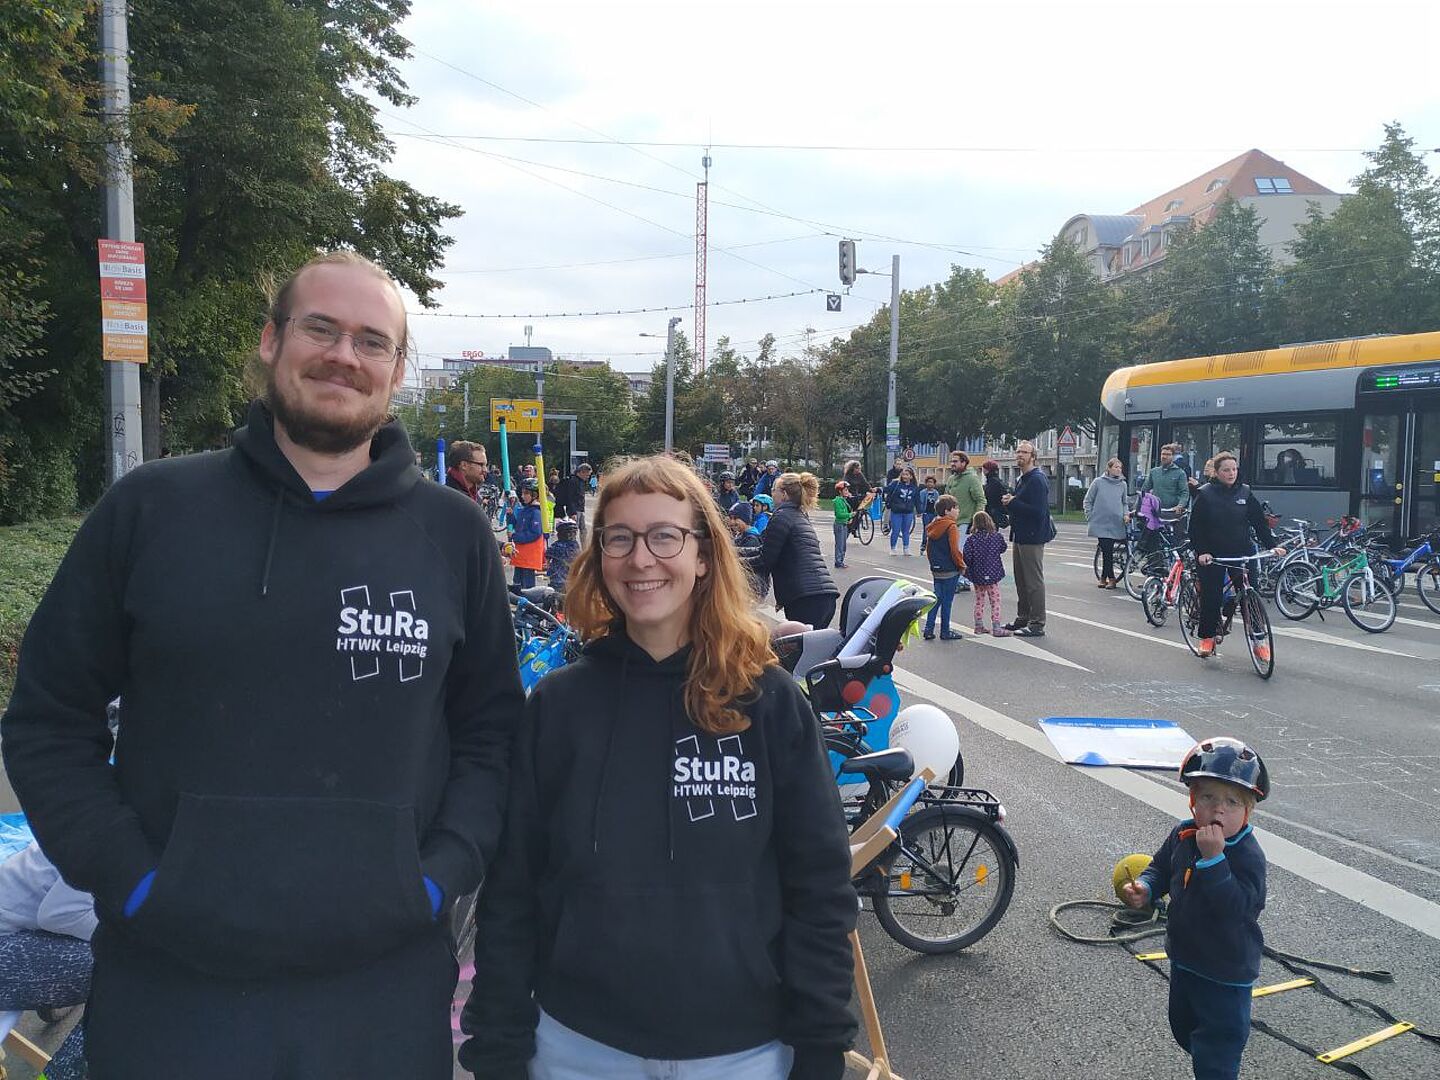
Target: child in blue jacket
<point x="1214" y="872"/>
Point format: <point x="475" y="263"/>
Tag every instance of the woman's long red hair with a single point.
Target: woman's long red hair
<point x="730" y="645"/>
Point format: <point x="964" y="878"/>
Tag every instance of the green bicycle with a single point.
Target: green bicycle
<point x="1303" y="589"/>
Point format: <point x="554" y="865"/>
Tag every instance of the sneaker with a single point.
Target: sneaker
<point x="1207" y="647"/>
<point x="1014" y="626"/>
<point x="950" y="635"/>
<point x="892" y="552"/>
<point x="1104" y="583"/>
<point x="1030" y="631"/>
<point x="1262" y="652"/>
<point x="1001" y="631"/>
<point x="928" y="635"/>
<point x="908" y="553"/>
<point x="980" y="628"/>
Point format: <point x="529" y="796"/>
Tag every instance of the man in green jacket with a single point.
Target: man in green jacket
<point x="965" y="486"/>
<point x="1167" y="481"/>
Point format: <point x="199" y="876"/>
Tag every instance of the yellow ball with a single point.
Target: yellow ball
<point x="1127" y="870"/>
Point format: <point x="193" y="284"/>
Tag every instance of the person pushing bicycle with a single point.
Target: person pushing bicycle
<point x="1224" y="513"/>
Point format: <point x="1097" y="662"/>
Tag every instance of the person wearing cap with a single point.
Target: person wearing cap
<point x="1214" y="872"/>
<point x="843" y="514"/>
<point x="741" y="521"/>
<point x="749" y="477"/>
<point x="570" y="495"/>
<point x="727" y="496"/>
<point x="761" y="506"/>
<point x="767" y="478"/>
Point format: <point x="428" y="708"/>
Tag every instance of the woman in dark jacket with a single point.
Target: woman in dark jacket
<point x="994" y="489"/>
<point x="790" y="554"/>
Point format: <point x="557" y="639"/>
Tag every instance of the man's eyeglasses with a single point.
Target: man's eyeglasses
<point x="664" y="541"/>
<point x="368" y="345"/>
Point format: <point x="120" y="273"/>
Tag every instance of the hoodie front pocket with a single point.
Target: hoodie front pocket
<point x="251" y="887"/>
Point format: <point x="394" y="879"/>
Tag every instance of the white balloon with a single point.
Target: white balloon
<point x="930" y="736"/>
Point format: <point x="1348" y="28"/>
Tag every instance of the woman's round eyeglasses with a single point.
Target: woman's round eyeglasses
<point x="663" y="541"/>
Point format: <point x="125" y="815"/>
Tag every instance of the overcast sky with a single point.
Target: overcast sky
<point x="1011" y="117"/>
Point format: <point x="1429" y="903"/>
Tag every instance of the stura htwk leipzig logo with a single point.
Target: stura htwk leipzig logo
<point x="372" y="638"/>
<point x="713" y="772"/>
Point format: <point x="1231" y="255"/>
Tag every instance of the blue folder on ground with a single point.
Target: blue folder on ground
<point x="1127" y="742"/>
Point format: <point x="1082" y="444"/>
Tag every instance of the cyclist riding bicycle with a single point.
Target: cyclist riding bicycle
<point x="1221" y="520"/>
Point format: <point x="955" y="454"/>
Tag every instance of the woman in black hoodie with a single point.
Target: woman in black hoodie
<point x="674" y="883"/>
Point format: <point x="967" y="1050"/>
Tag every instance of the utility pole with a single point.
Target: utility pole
<point x="702" y="259"/>
<point x="123" y="450"/>
<point x="465" y="431"/>
<point x="670" y="384"/>
<point x="892" y="418"/>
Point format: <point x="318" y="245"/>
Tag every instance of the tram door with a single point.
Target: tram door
<point x="1400" y="471"/>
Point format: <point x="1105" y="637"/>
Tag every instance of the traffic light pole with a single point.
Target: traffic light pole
<point x="123" y="450"/>
<point x="892" y="418"/>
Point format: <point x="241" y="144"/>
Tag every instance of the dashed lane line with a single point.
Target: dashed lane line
<point x="1118" y="630"/>
<point x="1379" y="896"/>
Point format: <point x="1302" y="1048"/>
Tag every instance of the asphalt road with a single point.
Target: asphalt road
<point x="1349" y="729"/>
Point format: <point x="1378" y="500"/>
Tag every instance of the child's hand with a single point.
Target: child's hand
<point x="1136" y="894"/>
<point x="1210" y="839"/>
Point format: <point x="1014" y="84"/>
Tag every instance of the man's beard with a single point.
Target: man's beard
<point x="318" y="432"/>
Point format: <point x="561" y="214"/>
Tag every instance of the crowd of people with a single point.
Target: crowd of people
<point x="323" y="746"/>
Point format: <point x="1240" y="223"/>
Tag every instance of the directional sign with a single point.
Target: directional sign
<point x="832" y="301"/>
<point x="892" y="442"/>
<point x="1065" y="445"/>
<point x="522" y="416"/>
<point x="124" y="311"/>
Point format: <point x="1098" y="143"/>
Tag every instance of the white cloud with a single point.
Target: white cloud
<point x="1164" y="90"/>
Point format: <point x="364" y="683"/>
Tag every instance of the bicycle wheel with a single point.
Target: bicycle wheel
<point x="1297" y="591"/>
<point x="865" y="531"/>
<point x="1187" y="607"/>
<point x="948" y="880"/>
<point x="1139" y="569"/>
<point x="1098" y="561"/>
<point x="1369" y="605"/>
<point x="1152" y="601"/>
<point x="1427" y="584"/>
<point x="1259" y="637"/>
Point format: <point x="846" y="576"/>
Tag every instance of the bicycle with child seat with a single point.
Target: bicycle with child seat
<point x="1171" y="591"/>
<point x="864" y="523"/>
<point x="949" y="875"/>
<point x="1141" y="566"/>
<point x="1244" y="600"/>
<point x="1305" y="588"/>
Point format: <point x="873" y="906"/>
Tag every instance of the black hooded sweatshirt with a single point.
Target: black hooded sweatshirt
<point x="318" y="705"/>
<point x="668" y="893"/>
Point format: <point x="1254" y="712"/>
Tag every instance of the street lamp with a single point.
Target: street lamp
<point x="669" y="382"/>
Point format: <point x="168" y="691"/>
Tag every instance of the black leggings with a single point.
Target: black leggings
<point x="815" y="610"/>
<point x="1212" y="588"/>
<point x="1107" y="557"/>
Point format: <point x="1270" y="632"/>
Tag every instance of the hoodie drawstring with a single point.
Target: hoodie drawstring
<point x="270" y="547"/>
<point x="605" y="764"/>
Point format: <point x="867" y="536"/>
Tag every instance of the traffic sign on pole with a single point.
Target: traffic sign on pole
<point x="1065" y="445"/>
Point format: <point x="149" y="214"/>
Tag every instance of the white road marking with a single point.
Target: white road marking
<point x="1380" y="896"/>
<point x="1331" y="639"/>
<point x="1120" y="630"/>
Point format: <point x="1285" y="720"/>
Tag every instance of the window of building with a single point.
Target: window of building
<point x="1174" y="204"/>
<point x="1298" y="453"/>
<point x="1218" y="182"/>
<point x="1145" y="248"/>
<point x="1129" y="254"/>
<point x="1273" y="185"/>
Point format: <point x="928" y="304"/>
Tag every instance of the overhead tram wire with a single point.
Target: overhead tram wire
<point x="513" y="163"/>
<point x="618" y="311"/>
<point x="762" y="207"/>
<point x="614" y="262"/>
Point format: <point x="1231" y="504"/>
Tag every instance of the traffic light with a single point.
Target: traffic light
<point x="847" y="262"/>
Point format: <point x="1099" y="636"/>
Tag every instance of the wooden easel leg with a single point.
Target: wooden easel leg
<point x="27" y="1050"/>
<point x="880" y="1062"/>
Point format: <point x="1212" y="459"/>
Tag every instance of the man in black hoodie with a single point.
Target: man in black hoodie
<point x="318" y="690"/>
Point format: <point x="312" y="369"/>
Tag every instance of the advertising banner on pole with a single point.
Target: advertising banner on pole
<point x="124" y="308"/>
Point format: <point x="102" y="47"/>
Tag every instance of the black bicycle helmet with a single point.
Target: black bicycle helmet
<point x="566" y="528"/>
<point x="530" y="484"/>
<point x="726" y="476"/>
<point x="1230" y="761"/>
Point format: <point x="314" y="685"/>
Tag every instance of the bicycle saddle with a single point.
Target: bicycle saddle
<point x="892" y="764"/>
<point x="542" y="596"/>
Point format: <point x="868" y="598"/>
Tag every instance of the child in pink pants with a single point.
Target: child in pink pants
<point x="983" y="550"/>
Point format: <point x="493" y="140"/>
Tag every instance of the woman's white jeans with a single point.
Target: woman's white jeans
<point x="562" y="1054"/>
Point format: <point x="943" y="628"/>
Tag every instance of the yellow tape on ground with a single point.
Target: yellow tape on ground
<point x="1360" y="1044"/>
<point x="1280" y="988"/>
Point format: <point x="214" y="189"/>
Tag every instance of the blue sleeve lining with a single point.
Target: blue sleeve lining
<point x="1201" y="864"/>
<point x="139" y="894"/>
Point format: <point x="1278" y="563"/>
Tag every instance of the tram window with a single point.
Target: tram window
<point x="1298" y="453"/>
<point x="1200" y="442"/>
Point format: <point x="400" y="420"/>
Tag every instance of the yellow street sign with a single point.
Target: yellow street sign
<point x="522" y="416"/>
